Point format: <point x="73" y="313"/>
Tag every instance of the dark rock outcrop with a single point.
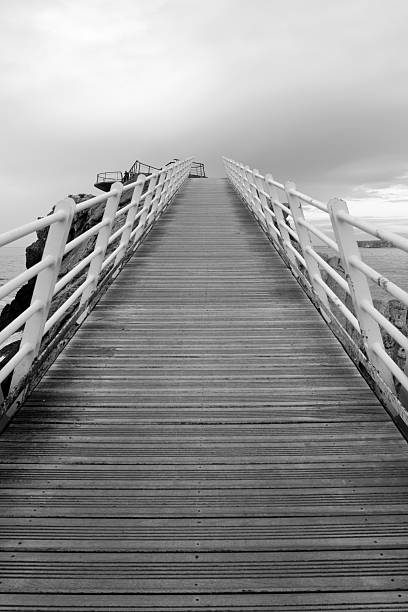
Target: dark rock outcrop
<point x="375" y="244"/>
<point x="34" y="251"/>
<point x="82" y="222"/>
<point x="391" y="308"/>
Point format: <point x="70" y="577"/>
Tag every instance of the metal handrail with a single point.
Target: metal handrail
<point x="292" y="235"/>
<point x="110" y="245"/>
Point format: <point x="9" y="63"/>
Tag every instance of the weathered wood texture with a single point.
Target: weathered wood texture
<point x="204" y="443"/>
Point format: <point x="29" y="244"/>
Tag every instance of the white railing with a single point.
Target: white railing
<point x="280" y="210"/>
<point x="149" y="197"/>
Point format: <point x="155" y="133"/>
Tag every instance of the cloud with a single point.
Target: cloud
<point x="313" y="91"/>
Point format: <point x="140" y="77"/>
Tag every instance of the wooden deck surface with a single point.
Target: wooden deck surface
<point x="204" y="443"/>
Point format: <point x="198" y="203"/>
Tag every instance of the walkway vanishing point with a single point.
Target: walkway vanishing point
<point x="204" y="443"/>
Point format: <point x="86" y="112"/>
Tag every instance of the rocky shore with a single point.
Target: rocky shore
<point x="81" y="223"/>
<point x="390" y="308"/>
<point x="375" y="244"/>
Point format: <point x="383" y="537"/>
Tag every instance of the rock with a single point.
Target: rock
<point x="6" y="353"/>
<point x="34" y="252"/>
<point x="20" y="302"/>
<point x="375" y="244"/>
<point x="82" y="222"/>
<point x="390" y="308"/>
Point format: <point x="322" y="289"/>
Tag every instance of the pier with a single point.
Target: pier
<point x="209" y="438"/>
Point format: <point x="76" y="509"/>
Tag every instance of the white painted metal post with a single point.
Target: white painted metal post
<point x="262" y="204"/>
<point x="280" y="221"/>
<point x="176" y="174"/>
<point x="241" y="181"/>
<point x="166" y="192"/>
<point x="181" y="174"/>
<point x="158" y="197"/>
<point x="130" y="217"/>
<point x="101" y="243"/>
<point x="150" y="194"/>
<point x="248" y="190"/>
<point x="45" y="285"/>
<point x="178" y="177"/>
<point x="359" y="287"/>
<point x="261" y="201"/>
<point x="270" y="225"/>
<point x="305" y="242"/>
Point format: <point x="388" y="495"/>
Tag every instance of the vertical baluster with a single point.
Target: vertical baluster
<point x="101" y="244"/>
<point x="181" y="173"/>
<point x="248" y="190"/>
<point x="259" y="199"/>
<point x="166" y="192"/>
<point x="130" y="218"/>
<point x="359" y="287"/>
<point x="280" y="222"/>
<point x="150" y="194"/>
<point x="44" y="287"/>
<point x="305" y="242"/>
<point x="174" y="181"/>
<point x="240" y="184"/>
<point x="240" y="181"/>
<point x="157" y="200"/>
<point x="269" y="221"/>
<point x="244" y="185"/>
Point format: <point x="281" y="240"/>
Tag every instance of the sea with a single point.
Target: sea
<point x="390" y="262"/>
<point x="12" y="263"/>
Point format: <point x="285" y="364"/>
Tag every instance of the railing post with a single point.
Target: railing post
<point x="240" y="181"/>
<point x="305" y="242"/>
<point x="101" y="243"/>
<point x="256" y="204"/>
<point x="248" y="189"/>
<point x="270" y="225"/>
<point x="260" y="187"/>
<point x="150" y="194"/>
<point x="175" y="180"/>
<point x="166" y="191"/>
<point x="44" y="286"/>
<point x="157" y="200"/>
<point x="280" y="222"/>
<point x="359" y="287"/>
<point x="244" y="184"/>
<point x="130" y="217"/>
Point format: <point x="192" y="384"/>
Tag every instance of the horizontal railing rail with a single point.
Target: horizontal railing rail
<point x="102" y="249"/>
<point x="282" y="212"/>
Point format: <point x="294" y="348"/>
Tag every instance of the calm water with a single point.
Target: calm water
<point x="12" y="262"/>
<point x="392" y="263"/>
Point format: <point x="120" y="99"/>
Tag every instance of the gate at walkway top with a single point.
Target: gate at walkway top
<point x="104" y="180"/>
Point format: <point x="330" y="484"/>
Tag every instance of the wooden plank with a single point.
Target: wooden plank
<point x="204" y="442"/>
<point x="349" y="532"/>
<point x="374" y="601"/>
<point x="202" y="572"/>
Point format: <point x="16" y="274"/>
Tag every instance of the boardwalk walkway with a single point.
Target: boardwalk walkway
<point x="204" y="443"/>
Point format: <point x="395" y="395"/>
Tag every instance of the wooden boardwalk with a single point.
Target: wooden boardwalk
<point x="204" y="443"/>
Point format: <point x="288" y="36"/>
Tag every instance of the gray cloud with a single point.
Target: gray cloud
<point x="315" y="91"/>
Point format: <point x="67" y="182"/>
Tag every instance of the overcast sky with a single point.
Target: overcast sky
<point x="311" y="90"/>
